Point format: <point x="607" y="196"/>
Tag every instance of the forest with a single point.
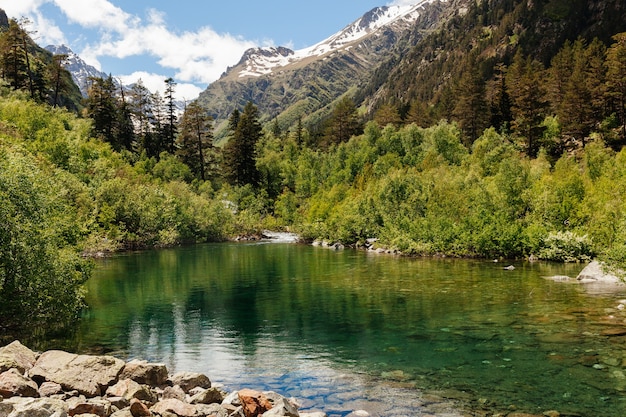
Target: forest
<point x="528" y="164"/>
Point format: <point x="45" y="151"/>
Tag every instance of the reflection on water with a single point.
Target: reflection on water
<point x="348" y="330"/>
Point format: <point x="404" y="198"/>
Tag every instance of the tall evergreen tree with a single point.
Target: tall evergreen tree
<point x="616" y="79"/>
<point x="240" y="151"/>
<point x="102" y="109"/>
<point x="525" y="87"/>
<point x="343" y="122"/>
<point x="471" y="109"/>
<point x="170" y="128"/>
<point x="195" y="141"/>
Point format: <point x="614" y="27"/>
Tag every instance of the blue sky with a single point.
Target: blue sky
<point x="192" y="41"/>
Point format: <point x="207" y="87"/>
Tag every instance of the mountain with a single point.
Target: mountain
<point x="489" y="33"/>
<point x="305" y="83"/>
<point x="80" y="70"/>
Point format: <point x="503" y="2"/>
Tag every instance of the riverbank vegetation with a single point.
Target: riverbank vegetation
<point x="542" y="177"/>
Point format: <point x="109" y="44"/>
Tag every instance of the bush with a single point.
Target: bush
<point x="566" y="247"/>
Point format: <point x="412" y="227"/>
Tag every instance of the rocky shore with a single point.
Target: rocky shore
<point x="60" y="384"/>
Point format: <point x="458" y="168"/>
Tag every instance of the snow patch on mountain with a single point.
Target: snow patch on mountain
<point x="80" y="70"/>
<point x="262" y="61"/>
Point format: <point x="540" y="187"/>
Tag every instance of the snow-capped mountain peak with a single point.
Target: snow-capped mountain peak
<point x="261" y="61"/>
<point x="80" y="70"/>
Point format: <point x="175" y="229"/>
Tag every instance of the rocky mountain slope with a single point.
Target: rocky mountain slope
<point x="80" y="70"/>
<point x="306" y="82"/>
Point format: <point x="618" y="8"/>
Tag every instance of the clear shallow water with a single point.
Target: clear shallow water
<point x="348" y="330"/>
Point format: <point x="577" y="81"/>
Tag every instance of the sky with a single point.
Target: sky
<point x="192" y="41"/>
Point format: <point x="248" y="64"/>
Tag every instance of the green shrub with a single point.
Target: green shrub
<point x="566" y="247"/>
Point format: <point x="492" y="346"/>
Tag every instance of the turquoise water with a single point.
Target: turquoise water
<point x="349" y="330"/>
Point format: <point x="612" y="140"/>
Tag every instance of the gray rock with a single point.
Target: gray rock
<point x="130" y="389"/>
<point x="89" y="375"/>
<point x="98" y="407"/>
<point x="119" y="402"/>
<point x="175" y="392"/>
<point x="33" y="407"/>
<point x="595" y="272"/>
<point x="14" y="384"/>
<point x="189" y="380"/>
<point x="208" y="396"/>
<point x="314" y="414"/>
<point x="15" y="355"/>
<point x="48" y="389"/>
<point x="215" y="410"/>
<point x="122" y="413"/>
<point x="282" y="407"/>
<point x="143" y="372"/>
<point x="232" y="399"/>
<point x="174" y="406"/>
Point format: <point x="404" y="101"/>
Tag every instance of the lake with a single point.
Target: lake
<point x="349" y="330"/>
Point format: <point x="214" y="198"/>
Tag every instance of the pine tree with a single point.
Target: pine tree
<point x="170" y="128"/>
<point x="240" y="151"/>
<point x="471" y="109"/>
<point x="343" y="122"/>
<point x="616" y="79"/>
<point x="387" y="114"/>
<point x="102" y="109"/>
<point x="528" y="103"/>
<point x="195" y="141"/>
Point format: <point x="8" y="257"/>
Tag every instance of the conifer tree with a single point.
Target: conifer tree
<point x="170" y="128"/>
<point x="102" y="109"/>
<point x="528" y="103"/>
<point x="343" y="122"/>
<point x="616" y="79"/>
<point x="240" y="151"/>
<point x="195" y="141"/>
<point x="471" y="109"/>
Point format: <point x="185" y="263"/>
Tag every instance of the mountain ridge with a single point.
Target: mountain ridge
<point x="80" y="70"/>
<point x="305" y="82"/>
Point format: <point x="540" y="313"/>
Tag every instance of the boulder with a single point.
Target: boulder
<point x="215" y="410"/>
<point x="143" y="372"/>
<point x="89" y="375"/>
<point x="130" y="389"/>
<point x="139" y="409"/>
<point x="208" y="396"/>
<point x="15" y="355"/>
<point x="14" y="384"/>
<point x="100" y="408"/>
<point x="189" y="380"/>
<point x="48" y="389"/>
<point x="254" y="403"/>
<point x="282" y="407"/>
<point x="33" y="407"/>
<point x="594" y="273"/>
<point x="174" y="406"/>
<point x="175" y="392"/>
<point x="124" y="413"/>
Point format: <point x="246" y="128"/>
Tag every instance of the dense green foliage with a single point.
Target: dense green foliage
<point x="63" y="193"/>
<point x="422" y="191"/>
<point x="26" y="66"/>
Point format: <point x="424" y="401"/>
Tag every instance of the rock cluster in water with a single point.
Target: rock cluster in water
<point x="60" y="384"/>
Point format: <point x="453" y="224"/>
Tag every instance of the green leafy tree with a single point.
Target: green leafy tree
<point x="41" y="276"/>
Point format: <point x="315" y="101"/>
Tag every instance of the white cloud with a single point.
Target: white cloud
<point x="156" y="82"/>
<point x="196" y="57"/>
<point x="100" y="14"/>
